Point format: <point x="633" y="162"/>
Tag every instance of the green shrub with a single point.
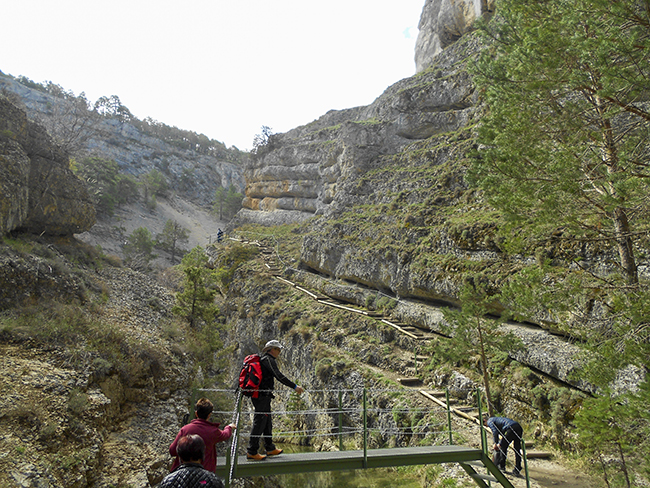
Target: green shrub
<point x="77" y="402"/>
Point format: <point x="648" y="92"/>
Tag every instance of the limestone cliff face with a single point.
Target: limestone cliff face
<point x="314" y="169"/>
<point x="40" y="194"/>
<point x="192" y="175"/>
<point x="384" y="189"/>
<point x="442" y="23"/>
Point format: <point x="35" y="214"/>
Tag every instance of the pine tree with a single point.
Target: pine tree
<point x="138" y="250"/>
<point x="196" y="302"/>
<point x="567" y="125"/>
<point x="564" y="151"/>
<point x="473" y="334"/>
<point x="173" y="233"/>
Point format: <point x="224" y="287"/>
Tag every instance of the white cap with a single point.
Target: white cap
<point x="272" y="344"/>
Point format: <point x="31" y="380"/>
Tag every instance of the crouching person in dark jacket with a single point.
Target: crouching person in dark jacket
<point x="190" y="473"/>
<point x="504" y="432"/>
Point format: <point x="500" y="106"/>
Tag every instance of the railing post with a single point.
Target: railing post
<point x="340" y="420"/>
<point x="484" y="445"/>
<point x="227" y="480"/>
<point x="231" y="459"/>
<point x="451" y="439"/>
<point x="365" y="430"/>
<point x="523" y="451"/>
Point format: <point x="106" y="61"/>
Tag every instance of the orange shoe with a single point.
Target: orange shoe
<point x="256" y="457"/>
<point x="274" y="452"/>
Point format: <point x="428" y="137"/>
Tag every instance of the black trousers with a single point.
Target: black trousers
<point x="262" y="425"/>
<point x="512" y="435"/>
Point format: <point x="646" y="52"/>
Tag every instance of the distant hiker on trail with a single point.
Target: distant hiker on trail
<point x="209" y="432"/>
<point x="505" y="431"/>
<point x="219" y="235"/>
<point x="190" y="473"/>
<point x="262" y="424"/>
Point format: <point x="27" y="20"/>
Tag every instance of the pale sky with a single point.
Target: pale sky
<point x="223" y="68"/>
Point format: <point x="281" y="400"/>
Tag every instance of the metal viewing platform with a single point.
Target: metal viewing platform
<point x="372" y="458"/>
<point x="354" y="418"/>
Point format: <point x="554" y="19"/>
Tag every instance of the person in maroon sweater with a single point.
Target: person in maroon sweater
<point x="209" y="432"/>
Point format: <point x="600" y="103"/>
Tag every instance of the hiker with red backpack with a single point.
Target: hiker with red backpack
<point x="260" y="389"/>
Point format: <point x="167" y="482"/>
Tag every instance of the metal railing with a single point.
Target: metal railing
<point x="387" y="416"/>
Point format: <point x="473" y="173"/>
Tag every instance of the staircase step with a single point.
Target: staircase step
<point x="409" y="381"/>
<point x="468" y="409"/>
<point x="538" y="455"/>
<point x="436" y="393"/>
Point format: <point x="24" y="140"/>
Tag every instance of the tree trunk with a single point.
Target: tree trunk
<point x="486" y="376"/>
<point x="624" y="244"/>
<point x="619" y="215"/>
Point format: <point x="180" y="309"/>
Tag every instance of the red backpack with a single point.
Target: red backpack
<point x="250" y="376"/>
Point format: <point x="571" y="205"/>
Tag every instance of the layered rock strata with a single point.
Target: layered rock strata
<point x="312" y="170"/>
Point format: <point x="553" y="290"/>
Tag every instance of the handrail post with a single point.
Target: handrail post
<point x="451" y="439"/>
<point x="227" y="480"/>
<point x="231" y="460"/>
<point x="523" y="451"/>
<point x="480" y="423"/>
<point x="365" y="430"/>
<point x="340" y="420"/>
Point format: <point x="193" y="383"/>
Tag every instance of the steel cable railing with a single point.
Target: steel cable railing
<point x="386" y="414"/>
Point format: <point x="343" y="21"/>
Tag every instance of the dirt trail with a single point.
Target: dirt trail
<point x="548" y="473"/>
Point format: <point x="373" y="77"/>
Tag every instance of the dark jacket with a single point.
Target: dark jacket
<point x="269" y="372"/>
<point x="499" y="426"/>
<point x="211" y="435"/>
<point x="191" y="475"/>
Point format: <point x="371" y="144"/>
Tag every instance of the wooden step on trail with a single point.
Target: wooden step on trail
<point x="437" y="393"/>
<point x="409" y="381"/>
<point x="468" y="409"/>
<point x="375" y="314"/>
<point x="412" y="330"/>
<point x="538" y="455"/>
